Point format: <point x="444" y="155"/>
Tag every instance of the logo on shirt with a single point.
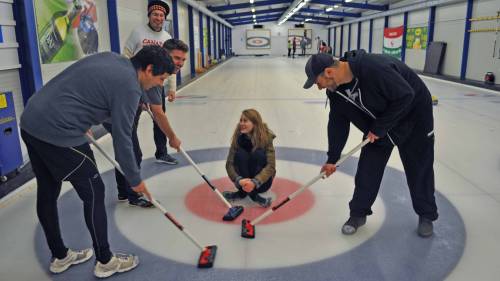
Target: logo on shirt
<point x="151" y="42"/>
<point x="353" y="95"/>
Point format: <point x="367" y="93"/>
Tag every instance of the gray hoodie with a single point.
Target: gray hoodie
<point x="93" y="89"/>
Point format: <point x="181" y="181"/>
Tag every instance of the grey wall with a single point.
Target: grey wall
<point x="337" y="46"/>
<point x="365" y="35"/>
<point x="354" y="36"/>
<point x="449" y="27"/>
<point x="415" y="58"/>
<point x="378" y="35"/>
<point x="481" y="58"/>
<point x="345" y="39"/>
<point x="279" y="37"/>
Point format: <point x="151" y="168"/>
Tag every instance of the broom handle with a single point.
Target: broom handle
<point x="177" y="224"/>
<point x="156" y="203"/>
<point x="195" y="167"/>
<point x="311" y="182"/>
<point x="204" y="177"/>
<point x="113" y="161"/>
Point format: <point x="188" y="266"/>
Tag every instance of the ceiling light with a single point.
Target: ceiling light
<point x="253" y="10"/>
<point x="254" y="16"/>
<point x="251" y="1"/>
<point x="347" y="1"/>
<point x="308" y="20"/>
<point x="329" y="9"/>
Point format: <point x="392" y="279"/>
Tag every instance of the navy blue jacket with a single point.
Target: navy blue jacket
<point x="390" y="97"/>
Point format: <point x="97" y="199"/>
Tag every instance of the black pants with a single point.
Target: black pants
<point x="303" y="51"/>
<point x="417" y="155"/>
<point x="293" y="53"/>
<point x="289" y="51"/>
<point x="52" y="165"/>
<point x="124" y="188"/>
<point x="159" y="137"/>
<point x="249" y="164"/>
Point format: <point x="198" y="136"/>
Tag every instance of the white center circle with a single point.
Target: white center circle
<point x="311" y="237"/>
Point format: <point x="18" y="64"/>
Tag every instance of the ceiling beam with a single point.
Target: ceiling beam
<point x="247" y="5"/>
<point x="299" y="15"/>
<point x="257" y="12"/>
<point x="332" y="13"/>
<point x="351" y="5"/>
<point x="251" y="22"/>
<point x="257" y="18"/>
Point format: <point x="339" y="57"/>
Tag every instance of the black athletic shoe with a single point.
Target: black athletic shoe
<point x="352" y="224"/>
<point x="262" y="201"/>
<point x="140" y="202"/>
<point x="122" y="198"/>
<point x="234" y="195"/>
<point x="166" y="159"/>
<point x="425" y="227"/>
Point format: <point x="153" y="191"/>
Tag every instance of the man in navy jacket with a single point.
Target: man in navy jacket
<point x="391" y="105"/>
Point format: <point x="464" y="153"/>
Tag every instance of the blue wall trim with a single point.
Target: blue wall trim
<point x="329" y="36"/>
<point x="1" y="35"/>
<point x="341" y="39"/>
<point x="403" y="46"/>
<point x="370" y="37"/>
<point x="209" y="34"/>
<point x="386" y="21"/>
<point x="334" y="41"/>
<point x="191" y="41"/>
<point x="359" y="36"/>
<point x="465" y="50"/>
<point x="219" y="46"/>
<point x="202" y="47"/>
<point x="175" y="20"/>
<point x="30" y="72"/>
<point x="349" y="38"/>
<point x="430" y="29"/>
<point x="114" y="32"/>
<point x="215" y="39"/>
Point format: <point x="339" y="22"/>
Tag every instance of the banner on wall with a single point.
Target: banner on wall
<point x="300" y="33"/>
<point x="393" y="41"/>
<point x="66" y="29"/>
<point x="416" y="38"/>
<point x="258" y="39"/>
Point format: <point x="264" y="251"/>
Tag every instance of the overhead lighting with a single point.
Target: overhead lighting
<point x="254" y="16"/>
<point x="251" y="1"/>
<point x="347" y="1"/>
<point x="336" y="6"/>
<point x="308" y="19"/>
<point x="329" y="9"/>
<point x="253" y="10"/>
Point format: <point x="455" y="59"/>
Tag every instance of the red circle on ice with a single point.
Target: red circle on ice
<point x="203" y="202"/>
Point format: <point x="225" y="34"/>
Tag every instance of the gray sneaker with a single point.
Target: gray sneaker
<point x="166" y="159"/>
<point x="117" y="263"/>
<point x="352" y="224"/>
<point x="72" y="257"/>
<point x="425" y="228"/>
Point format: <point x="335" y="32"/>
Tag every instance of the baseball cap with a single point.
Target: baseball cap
<point x="315" y="66"/>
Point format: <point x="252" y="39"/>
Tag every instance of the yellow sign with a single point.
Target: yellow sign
<point x="3" y="101"/>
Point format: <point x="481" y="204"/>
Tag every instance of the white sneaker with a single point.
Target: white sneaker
<point x="72" y="257"/>
<point x="117" y="263"/>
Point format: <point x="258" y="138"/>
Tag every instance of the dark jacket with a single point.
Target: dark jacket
<point x="267" y="172"/>
<point x="390" y="98"/>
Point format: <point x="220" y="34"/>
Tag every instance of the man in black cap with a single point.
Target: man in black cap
<point x="391" y="105"/>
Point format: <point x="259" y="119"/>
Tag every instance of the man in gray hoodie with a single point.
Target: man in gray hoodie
<point x="53" y="126"/>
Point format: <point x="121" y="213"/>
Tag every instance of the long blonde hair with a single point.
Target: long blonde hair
<point x="260" y="132"/>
